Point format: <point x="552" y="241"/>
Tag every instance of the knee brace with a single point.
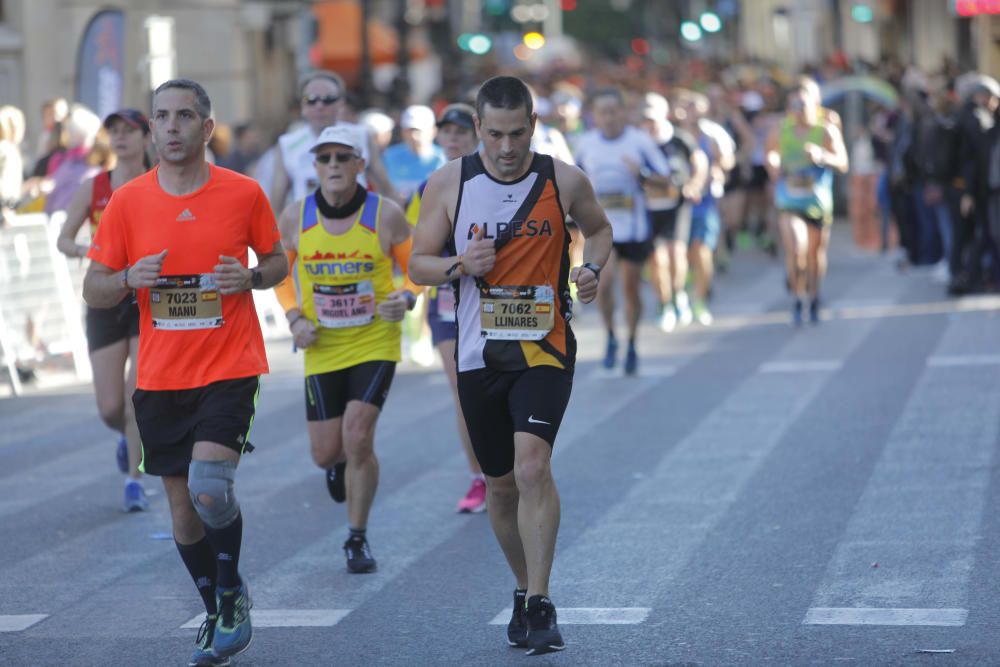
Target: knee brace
<point x="214" y="479"/>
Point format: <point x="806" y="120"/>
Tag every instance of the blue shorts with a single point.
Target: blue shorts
<point x="706" y="225"/>
<point x="441" y="329"/>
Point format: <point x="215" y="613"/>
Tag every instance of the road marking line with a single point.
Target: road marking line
<point x="590" y="616"/>
<point x="876" y="616"/>
<point x="19" y="622"/>
<point x="803" y="366"/>
<point x="946" y="360"/>
<point x="286" y="618"/>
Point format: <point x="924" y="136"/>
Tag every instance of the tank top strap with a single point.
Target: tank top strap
<point x="370" y="211"/>
<point x="308" y="214"/>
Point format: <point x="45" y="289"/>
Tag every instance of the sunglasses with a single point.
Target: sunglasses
<point x="341" y="158"/>
<point x="326" y="100"/>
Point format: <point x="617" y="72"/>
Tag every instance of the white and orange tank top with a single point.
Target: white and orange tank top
<point x="517" y="315"/>
<point x="339" y="278"/>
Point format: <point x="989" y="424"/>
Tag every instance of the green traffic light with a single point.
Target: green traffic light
<point x="862" y="13"/>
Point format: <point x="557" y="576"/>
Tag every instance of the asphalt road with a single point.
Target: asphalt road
<point x="757" y="495"/>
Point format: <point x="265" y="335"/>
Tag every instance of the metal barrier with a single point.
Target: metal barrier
<point x="41" y="304"/>
<point x="41" y="313"/>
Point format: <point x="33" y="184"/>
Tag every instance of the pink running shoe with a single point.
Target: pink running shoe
<point x="474" y="501"/>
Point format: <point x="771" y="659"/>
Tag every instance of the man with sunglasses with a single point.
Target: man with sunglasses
<point x="345" y="312"/>
<point x="321" y="99"/>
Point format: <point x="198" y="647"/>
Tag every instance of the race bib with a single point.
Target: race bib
<point x="186" y="302"/>
<point x="520" y="312"/>
<point x="341" y="306"/>
<point x="446" y="303"/>
<point x="615" y="200"/>
<point x="661" y="197"/>
<point x="800" y="185"/>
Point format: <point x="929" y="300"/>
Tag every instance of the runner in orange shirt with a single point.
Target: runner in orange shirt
<point x="179" y="235"/>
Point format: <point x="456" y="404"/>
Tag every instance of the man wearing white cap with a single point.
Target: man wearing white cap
<point x="345" y="312"/>
<point x="410" y="162"/>
<point x="321" y="96"/>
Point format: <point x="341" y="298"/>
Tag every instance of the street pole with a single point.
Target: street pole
<point x="365" y="69"/>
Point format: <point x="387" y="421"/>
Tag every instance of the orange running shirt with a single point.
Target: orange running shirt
<point x="200" y="336"/>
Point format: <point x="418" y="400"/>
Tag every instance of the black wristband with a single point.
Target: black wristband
<point x="256" y="278"/>
<point x="594" y="268"/>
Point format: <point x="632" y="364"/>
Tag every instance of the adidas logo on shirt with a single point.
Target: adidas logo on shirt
<point x="186" y="215"/>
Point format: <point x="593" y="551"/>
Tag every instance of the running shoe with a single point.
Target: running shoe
<point x="233" y="631"/>
<point x="517" y="629"/>
<point x="335" y="482"/>
<point x="668" y="319"/>
<point x="683" y="307"/>
<point x="135" y="497"/>
<point x="474" y="501"/>
<point x="702" y="314"/>
<point x="203" y="655"/>
<point x="359" y="556"/>
<point x="121" y="455"/>
<point x="611" y="354"/>
<point x="797" y="313"/>
<point x="814" y="311"/>
<point x="543" y="631"/>
<point x="631" y="360"/>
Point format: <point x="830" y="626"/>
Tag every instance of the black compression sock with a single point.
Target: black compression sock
<point x="200" y="563"/>
<point x="358" y="532"/>
<point x="226" y="546"/>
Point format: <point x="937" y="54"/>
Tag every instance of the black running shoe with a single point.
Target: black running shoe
<point x="517" y="629"/>
<point x="814" y="311"/>
<point x="543" y="631"/>
<point x="359" y="556"/>
<point x="335" y="482"/>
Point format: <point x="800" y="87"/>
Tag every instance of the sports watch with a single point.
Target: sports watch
<point x="256" y="278"/>
<point x="595" y="268"/>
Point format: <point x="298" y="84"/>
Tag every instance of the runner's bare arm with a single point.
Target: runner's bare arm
<point x="303" y="331"/>
<point x="427" y="267"/>
<point x="836" y="157"/>
<point x="580" y="203"/>
<point x="772" y="155"/>
<point x="279" y="181"/>
<point x="76" y="215"/>
<point x="377" y="173"/>
<point x="232" y="277"/>
<point x="104" y="287"/>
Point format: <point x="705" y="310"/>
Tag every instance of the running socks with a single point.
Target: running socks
<point x="360" y="533"/>
<point x="200" y="563"/>
<point x="226" y="546"/>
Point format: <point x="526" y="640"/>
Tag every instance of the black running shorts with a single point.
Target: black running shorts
<point x="672" y="225"/>
<point x="636" y="252"/>
<point x="498" y="404"/>
<point x="327" y="394"/>
<point x="171" y="421"/>
<point x="106" y="326"/>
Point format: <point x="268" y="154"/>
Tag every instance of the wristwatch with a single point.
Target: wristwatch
<point x="595" y="268"/>
<point x="256" y="278"/>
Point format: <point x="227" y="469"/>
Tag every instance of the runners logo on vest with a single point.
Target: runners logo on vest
<point x="339" y="263"/>
<point x="515" y="229"/>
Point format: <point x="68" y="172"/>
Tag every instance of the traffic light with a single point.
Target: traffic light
<point x="567" y="5"/>
<point x="862" y="13"/>
<point x="476" y="43"/>
<point x="690" y="31"/>
<point x="640" y="46"/>
<point x="710" y="22"/>
<point x="534" y="40"/>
